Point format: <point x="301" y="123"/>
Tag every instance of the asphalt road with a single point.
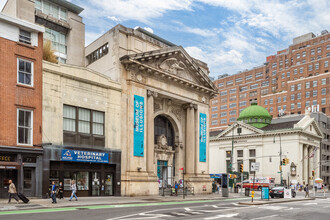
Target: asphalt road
<point x="207" y="210"/>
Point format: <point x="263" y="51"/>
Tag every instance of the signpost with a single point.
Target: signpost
<point x="182" y="180"/>
<point x="254" y="167"/>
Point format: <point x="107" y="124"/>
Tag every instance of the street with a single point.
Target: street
<point x="202" y="209"/>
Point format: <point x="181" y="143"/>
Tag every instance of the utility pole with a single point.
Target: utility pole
<point x="281" y="172"/>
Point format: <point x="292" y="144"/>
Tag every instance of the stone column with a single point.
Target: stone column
<point x="310" y="164"/>
<point x="190" y="139"/>
<point x="150" y="131"/>
<point x="305" y="163"/>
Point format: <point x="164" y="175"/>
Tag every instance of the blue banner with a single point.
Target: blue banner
<point x="202" y="137"/>
<point x="138" y="126"/>
<point x="84" y="156"/>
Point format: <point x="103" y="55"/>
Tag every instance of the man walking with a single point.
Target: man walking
<point x="74" y="190"/>
<point x="12" y="191"/>
<point x="306" y="191"/>
<point x="53" y="193"/>
<point x="176" y="188"/>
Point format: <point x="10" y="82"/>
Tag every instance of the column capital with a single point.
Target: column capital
<point x="189" y="105"/>
<point x="152" y="93"/>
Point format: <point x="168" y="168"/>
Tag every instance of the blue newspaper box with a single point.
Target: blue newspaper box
<point x="265" y="193"/>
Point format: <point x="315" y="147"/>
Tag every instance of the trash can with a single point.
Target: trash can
<point x="235" y="189"/>
<point x="247" y="192"/>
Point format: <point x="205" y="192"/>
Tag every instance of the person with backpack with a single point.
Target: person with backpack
<point x="306" y="191"/>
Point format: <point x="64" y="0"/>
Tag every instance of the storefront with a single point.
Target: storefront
<point x="23" y="167"/>
<point x="95" y="171"/>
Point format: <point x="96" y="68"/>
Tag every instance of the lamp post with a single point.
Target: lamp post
<point x="280" y="157"/>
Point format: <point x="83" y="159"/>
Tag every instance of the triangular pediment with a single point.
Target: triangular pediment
<point x="245" y="129"/>
<point x="176" y="64"/>
<point x="309" y="125"/>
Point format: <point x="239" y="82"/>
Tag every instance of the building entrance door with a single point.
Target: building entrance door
<point x="5" y="176"/>
<point x="108" y="184"/>
<point x="29" y="181"/>
<point x="96" y="187"/>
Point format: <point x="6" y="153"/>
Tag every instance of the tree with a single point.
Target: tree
<point x="48" y="52"/>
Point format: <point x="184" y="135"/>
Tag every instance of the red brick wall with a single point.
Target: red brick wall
<point x="14" y="96"/>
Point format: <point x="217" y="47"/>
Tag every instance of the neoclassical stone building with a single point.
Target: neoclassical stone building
<point x="257" y="138"/>
<point x="164" y="109"/>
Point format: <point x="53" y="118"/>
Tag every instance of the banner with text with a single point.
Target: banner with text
<point x="202" y="137"/>
<point x="138" y="126"/>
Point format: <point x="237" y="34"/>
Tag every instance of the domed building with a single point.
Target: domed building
<point x="256" y="138"/>
<point x="255" y="115"/>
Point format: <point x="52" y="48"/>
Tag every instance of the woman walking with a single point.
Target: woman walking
<point x="74" y="190"/>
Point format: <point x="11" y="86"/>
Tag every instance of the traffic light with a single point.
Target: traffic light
<point x="313" y="172"/>
<point x="241" y="168"/>
<point x="283" y="161"/>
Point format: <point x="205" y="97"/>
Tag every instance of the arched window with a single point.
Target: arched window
<point x="164" y="126"/>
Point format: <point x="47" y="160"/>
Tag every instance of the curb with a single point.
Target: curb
<point x="273" y="202"/>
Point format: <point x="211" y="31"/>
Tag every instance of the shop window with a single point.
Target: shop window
<point x="24" y="126"/>
<point x="83" y="127"/>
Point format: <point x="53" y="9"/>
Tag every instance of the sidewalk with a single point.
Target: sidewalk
<point x="90" y="201"/>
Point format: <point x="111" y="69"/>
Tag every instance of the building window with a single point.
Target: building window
<point x="239" y="153"/>
<point x="51" y="9"/>
<point x="271" y="109"/>
<point x="295" y="71"/>
<point x="214" y="102"/>
<point x="223" y="114"/>
<point x="25" y="72"/>
<point x="308" y="94"/>
<point x="292" y="88"/>
<point x="215" y="115"/>
<point x="24" y="126"/>
<point x="319" y="50"/>
<point x="283" y="75"/>
<point x="83" y="127"/>
<point x="214" y="122"/>
<point x="312" y="51"/>
<point x="323" y="101"/>
<point x="244" y="88"/>
<point x="301" y="69"/>
<point x="314" y="102"/>
<point x="220" y="84"/>
<point x="230" y="82"/>
<point x="308" y="85"/>
<point x="314" y="93"/>
<point x="299" y="105"/>
<point x="298" y="86"/>
<point x="232" y="91"/>
<point x="279" y="100"/>
<point x="266" y="102"/>
<point x="97" y="54"/>
<point x="264" y="84"/>
<point x="328" y="47"/>
<point x="223" y="121"/>
<point x="292" y="106"/>
<point x="284" y="107"/>
<point x="214" y="109"/>
<point x="324" y="91"/>
<point x="310" y="67"/>
<point x="223" y="107"/>
<point x="292" y="97"/>
<point x="316" y="66"/>
<point x="304" y="53"/>
<point x="299" y="96"/>
<point x="270" y="101"/>
<point x="232" y="119"/>
<point x="307" y="104"/>
<point x="314" y="83"/>
<point x="326" y="63"/>
<point x="248" y="77"/>
<point x="238" y="80"/>
<point x="274" y="73"/>
<point x="58" y="42"/>
<point x="298" y="55"/>
<point x="24" y="36"/>
<point x="252" y="153"/>
<point x="254" y="86"/>
<point x="288" y="74"/>
<point x="223" y="93"/>
<point x="232" y="98"/>
<point x="284" y="98"/>
<point x="233" y="112"/>
<point x="259" y="75"/>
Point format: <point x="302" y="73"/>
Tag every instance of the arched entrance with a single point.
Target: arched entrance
<point x="164" y="150"/>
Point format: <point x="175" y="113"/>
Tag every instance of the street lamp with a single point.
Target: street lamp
<point x="280" y="157"/>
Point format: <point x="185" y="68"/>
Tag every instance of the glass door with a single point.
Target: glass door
<point x="96" y="184"/>
<point x="108" y="189"/>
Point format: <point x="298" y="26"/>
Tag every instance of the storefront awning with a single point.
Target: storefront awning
<point x="9" y="165"/>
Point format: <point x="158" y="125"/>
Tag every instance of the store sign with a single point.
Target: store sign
<point x="84" y="156"/>
<point x="138" y="149"/>
<point x="6" y="158"/>
<point x="202" y="137"/>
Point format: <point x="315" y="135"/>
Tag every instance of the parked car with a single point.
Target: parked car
<point x="279" y="192"/>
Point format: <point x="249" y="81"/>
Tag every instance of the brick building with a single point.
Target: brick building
<point x="289" y="81"/>
<point x="21" y="105"/>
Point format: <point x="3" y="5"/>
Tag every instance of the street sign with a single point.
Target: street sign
<point x="181" y="168"/>
<point x="255" y="166"/>
<point x="287" y="193"/>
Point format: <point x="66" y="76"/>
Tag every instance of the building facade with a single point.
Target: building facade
<point x="298" y="140"/>
<point x="164" y="105"/>
<point x="64" y="27"/>
<point x="21" y="105"/>
<point x="81" y="130"/>
<point x="289" y="81"/>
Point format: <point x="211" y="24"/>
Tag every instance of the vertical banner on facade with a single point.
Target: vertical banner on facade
<point x="138" y="126"/>
<point x="202" y="137"/>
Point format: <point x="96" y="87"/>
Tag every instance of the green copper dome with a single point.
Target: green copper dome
<point x="256" y="116"/>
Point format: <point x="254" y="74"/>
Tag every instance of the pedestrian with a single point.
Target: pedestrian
<point x="60" y="191"/>
<point x="53" y="192"/>
<point x="176" y="188"/>
<point x="74" y="190"/>
<point x="12" y="191"/>
<point x="306" y="189"/>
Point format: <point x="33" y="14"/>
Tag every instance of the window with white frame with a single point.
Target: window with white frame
<point x="232" y="119"/>
<point x="24" y="126"/>
<point x="274" y="65"/>
<point x="288" y="74"/>
<point x="274" y="73"/>
<point x="299" y="105"/>
<point x="315" y="83"/>
<point x="259" y="75"/>
<point x="25" y="72"/>
<point x="328" y="47"/>
<point x="244" y="88"/>
<point x="292" y="106"/>
<point x="299" y="96"/>
<point x="308" y="85"/>
<point x="284" y="107"/>
<point x="314" y="102"/>
<point x="223" y="114"/>
<point x="254" y="86"/>
<point x="316" y="66"/>
<point x="283" y="75"/>
<point x="266" y="102"/>
<point x="223" y="121"/>
<point x="312" y="51"/>
<point x="298" y="55"/>
<point x="230" y="82"/>
<point x="324" y="91"/>
<point x="308" y="94"/>
<point x="243" y="103"/>
<point x="220" y="84"/>
<point x="214" y="109"/>
<point x="304" y="53"/>
<point x="314" y="93"/>
<point x="264" y="84"/>
<point x="323" y="101"/>
<point x="51" y="9"/>
<point x="232" y="105"/>
<point x="310" y="67"/>
<point x="248" y="77"/>
<point x="279" y="100"/>
<point x="233" y="112"/>
<point x="24" y="36"/>
<point x="319" y="50"/>
<point x="292" y="97"/>
<point x="307" y="104"/>
<point x="223" y="107"/>
<point x="284" y="98"/>
<point x="214" y="115"/>
<point x="238" y="80"/>
<point x="270" y="101"/>
<point x="299" y="86"/>
<point x="324" y="81"/>
<point x="292" y="88"/>
<point x="231" y="91"/>
<point x="295" y="71"/>
<point x="326" y="63"/>
<point x="214" y="122"/>
<point x="301" y="69"/>
<point x="271" y="109"/>
<point x="223" y="93"/>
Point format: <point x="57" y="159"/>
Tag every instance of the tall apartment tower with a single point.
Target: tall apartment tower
<point x="64" y="26"/>
<point x="21" y="105"/>
<point x="293" y="79"/>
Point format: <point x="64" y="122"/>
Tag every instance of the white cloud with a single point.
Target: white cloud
<point x="113" y="18"/>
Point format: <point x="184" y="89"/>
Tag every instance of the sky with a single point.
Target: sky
<point x="229" y="35"/>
